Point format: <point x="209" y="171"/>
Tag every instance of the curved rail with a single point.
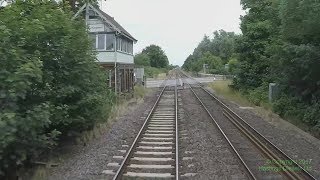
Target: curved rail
<point x="266" y="147"/>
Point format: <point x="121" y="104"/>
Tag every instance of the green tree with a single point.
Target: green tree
<point x="297" y="61"/>
<point x="50" y="83"/>
<point x="218" y="50"/>
<point x="141" y="59"/>
<point x="187" y="65"/>
<point x="203" y="47"/>
<point x="157" y="56"/>
<point x="223" y="44"/>
<point x="233" y="66"/>
<point x="215" y="64"/>
<point x="77" y="4"/>
<point x="281" y="43"/>
<point x="260" y="29"/>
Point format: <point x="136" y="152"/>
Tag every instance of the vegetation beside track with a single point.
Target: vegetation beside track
<point x="51" y="86"/>
<point x="152" y="72"/>
<point x="279" y="44"/>
<point x="65" y="151"/>
<point x="140" y="91"/>
<point x="216" y="52"/>
<point x="154" y="60"/>
<point x="224" y="89"/>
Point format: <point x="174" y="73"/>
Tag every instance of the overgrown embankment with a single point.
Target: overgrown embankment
<point x="51" y="86"/>
<point x="279" y="44"/>
<point x="226" y="90"/>
<point x="282" y="48"/>
<point x="90" y="144"/>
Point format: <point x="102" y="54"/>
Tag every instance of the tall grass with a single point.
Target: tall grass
<point x="264" y="110"/>
<point x="222" y="88"/>
<point x="152" y="72"/>
<point x="139" y="91"/>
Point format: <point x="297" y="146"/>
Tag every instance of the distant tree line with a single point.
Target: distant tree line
<point x="280" y="42"/>
<point x="216" y="52"/>
<point x="153" y="56"/>
<point x="153" y="59"/>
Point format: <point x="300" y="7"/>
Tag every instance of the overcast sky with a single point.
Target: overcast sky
<point x="175" y="25"/>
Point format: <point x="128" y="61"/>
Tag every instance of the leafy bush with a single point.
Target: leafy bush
<point x="312" y="116"/>
<point x="287" y="106"/>
<point x="153" y="72"/>
<point x="141" y="59"/>
<point x="258" y="96"/>
<point x="49" y="81"/>
<point x="233" y="66"/>
<point x="280" y="43"/>
<point x="293" y="107"/>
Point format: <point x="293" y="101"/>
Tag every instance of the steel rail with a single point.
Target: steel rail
<point x="177" y="131"/>
<point x="130" y="152"/>
<point x="251" y="175"/>
<point x="257" y="140"/>
<point x="232" y="116"/>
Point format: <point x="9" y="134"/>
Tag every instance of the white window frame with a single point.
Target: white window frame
<point x="112" y="50"/>
<point x="97" y="42"/>
<point x="119" y="43"/>
<point x="127" y="48"/>
<point x="105" y="44"/>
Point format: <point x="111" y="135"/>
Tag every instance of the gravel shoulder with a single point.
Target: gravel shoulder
<point x="88" y="162"/>
<point x="299" y="145"/>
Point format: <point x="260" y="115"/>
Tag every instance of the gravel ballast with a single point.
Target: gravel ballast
<point x="299" y="145"/>
<point x="90" y="161"/>
<point x="212" y="157"/>
<point x="204" y="153"/>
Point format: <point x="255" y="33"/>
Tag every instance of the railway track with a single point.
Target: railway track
<point x="154" y="152"/>
<point x="255" y="152"/>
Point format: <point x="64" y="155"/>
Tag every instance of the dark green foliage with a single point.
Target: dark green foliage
<point x="233" y="66"/>
<point x="299" y="55"/>
<point x="215" y="64"/>
<point x="154" y="60"/>
<point x="260" y="28"/>
<point x="294" y="108"/>
<point x="300" y="21"/>
<point x="157" y="56"/>
<point x="299" y="72"/>
<point x="49" y="81"/>
<point x="281" y="43"/>
<point x="258" y="96"/>
<point x="152" y="72"/>
<point x="223" y="45"/>
<point x="141" y="59"/>
<point x="215" y="52"/>
<point x="298" y="61"/>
